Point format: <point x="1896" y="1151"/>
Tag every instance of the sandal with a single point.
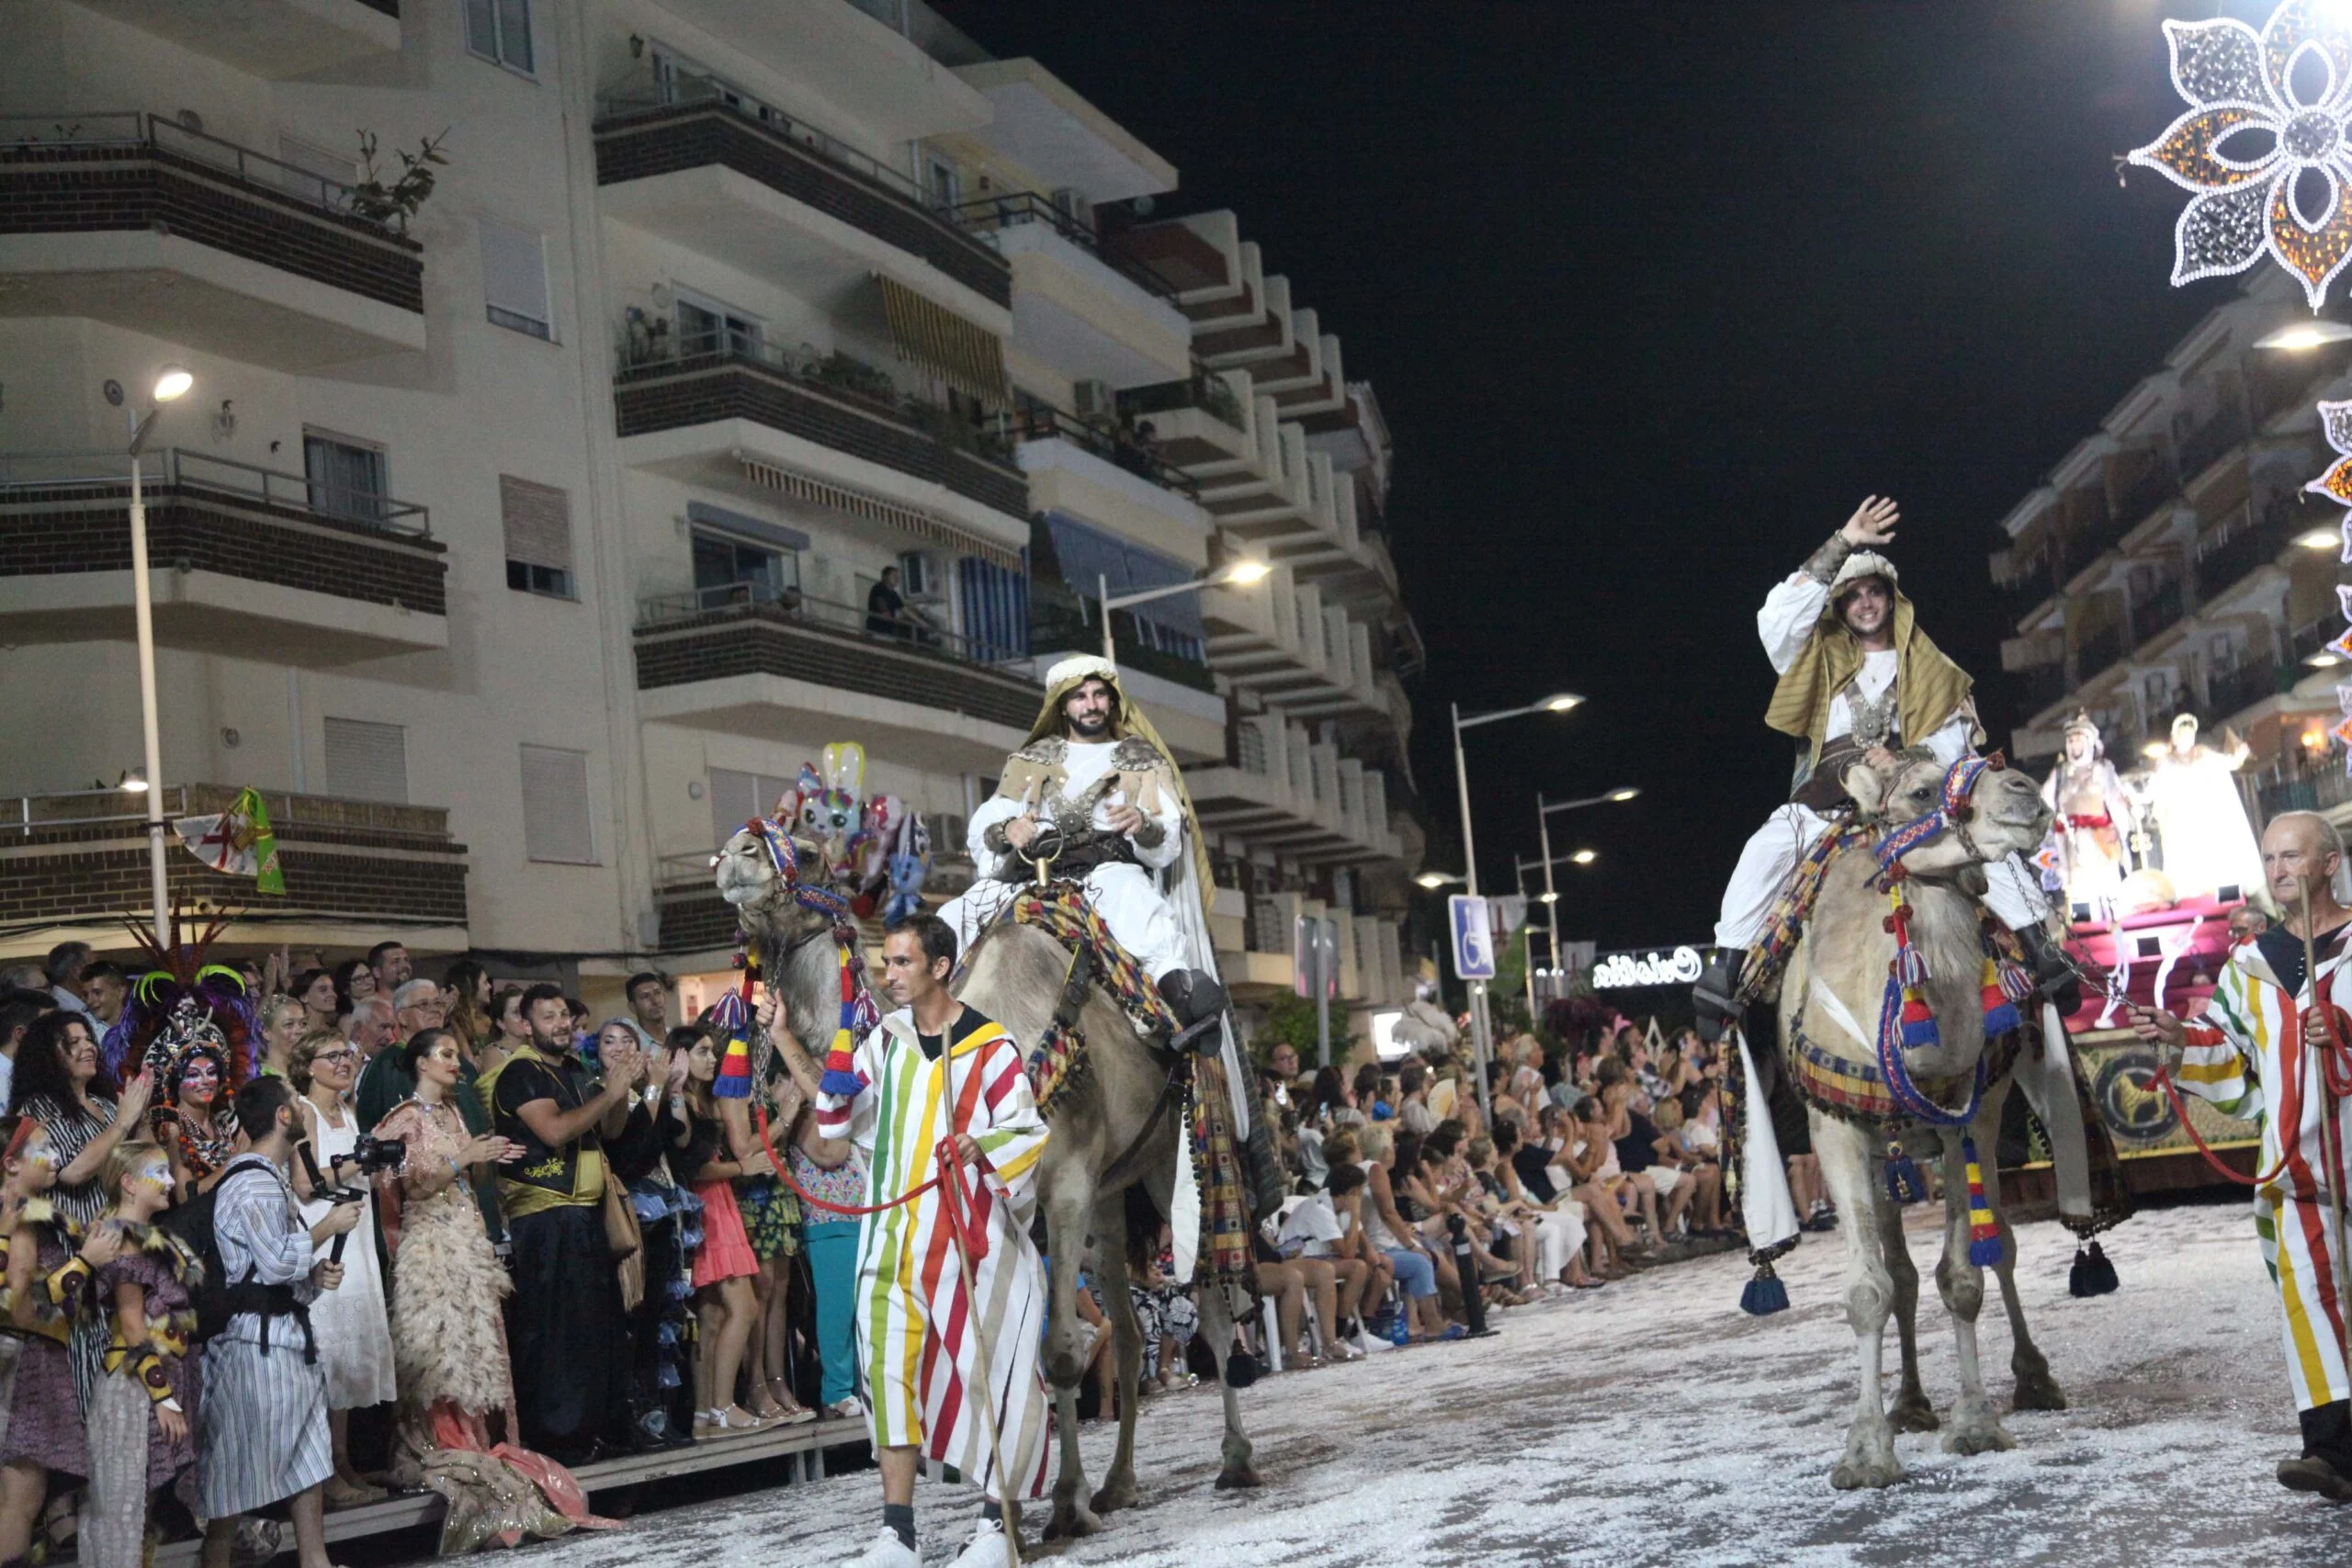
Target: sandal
<point x="341" y="1493"/>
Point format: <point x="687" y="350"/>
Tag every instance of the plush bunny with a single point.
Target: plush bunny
<point x="907" y="874"/>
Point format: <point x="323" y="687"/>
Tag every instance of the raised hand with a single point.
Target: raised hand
<point x="1872" y="524"/>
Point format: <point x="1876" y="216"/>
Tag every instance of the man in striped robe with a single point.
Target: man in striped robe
<point x="2253" y="1051"/>
<point x="938" y="1069"/>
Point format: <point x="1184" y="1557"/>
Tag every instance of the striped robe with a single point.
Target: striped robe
<point x="265" y="1433"/>
<point x="2243" y="1051"/>
<point x="914" y="1327"/>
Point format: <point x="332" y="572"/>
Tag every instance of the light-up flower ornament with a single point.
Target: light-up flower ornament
<point x="2335" y="423"/>
<point x="2240" y="88"/>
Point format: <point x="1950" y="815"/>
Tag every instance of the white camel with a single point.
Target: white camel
<point x="1830" y="997"/>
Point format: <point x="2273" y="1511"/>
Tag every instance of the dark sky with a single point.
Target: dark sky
<point x="1653" y="294"/>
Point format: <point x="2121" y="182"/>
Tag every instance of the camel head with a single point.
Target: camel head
<point x="763" y="900"/>
<point x="2005" y="814"/>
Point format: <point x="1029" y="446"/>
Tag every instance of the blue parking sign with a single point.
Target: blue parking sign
<point x="1474" y="941"/>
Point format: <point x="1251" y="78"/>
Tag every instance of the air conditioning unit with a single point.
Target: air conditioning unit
<point x="1092" y="400"/>
<point x="1074" y="207"/>
<point x="922" y="576"/>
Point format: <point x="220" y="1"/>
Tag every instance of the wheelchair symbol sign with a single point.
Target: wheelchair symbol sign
<point x="1473" y="942"/>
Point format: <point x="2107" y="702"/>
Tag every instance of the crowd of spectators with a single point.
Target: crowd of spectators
<point x="584" y="1249"/>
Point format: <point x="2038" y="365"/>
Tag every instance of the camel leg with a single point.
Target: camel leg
<point x="1127" y="1346"/>
<point x="2036" y="1389"/>
<point x="1974" y="1429"/>
<point x="1070" y="1202"/>
<point x="1216" y="1325"/>
<point x="1853" y="1168"/>
<point x="1911" y="1411"/>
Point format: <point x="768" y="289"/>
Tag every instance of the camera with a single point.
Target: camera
<point x="372" y="1155"/>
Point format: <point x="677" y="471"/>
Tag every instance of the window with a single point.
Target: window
<point x="367" y="761"/>
<point x="706" y="326"/>
<point x="538" y="522"/>
<point x="731" y="571"/>
<point x="946" y="185"/>
<point x="346" y="476"/>
<point x="737" y="797"/>
<point x="555" y="807"/>
<point x="501" y="31"/>
<point x="514" y="278"/>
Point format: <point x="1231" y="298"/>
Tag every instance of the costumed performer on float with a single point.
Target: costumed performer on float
<point x="938" y="1069"/>
<point x="2097" y="820"/>
<point x="2249" y="1052"/>
<point x="1858" y="682"/>
<point x="1096" y="773"/>
<point x="2200" y="817"/>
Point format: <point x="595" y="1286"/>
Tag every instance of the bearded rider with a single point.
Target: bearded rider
<point x="1858" y="682"/>
<point x="1096" y="789"/>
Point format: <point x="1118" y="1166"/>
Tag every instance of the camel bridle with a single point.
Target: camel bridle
<point x="1953" y="813"/>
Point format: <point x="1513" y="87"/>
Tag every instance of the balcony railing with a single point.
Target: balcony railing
<point x="2310" y="637"/>
<point x="24" y="134"/>
<point x="2228" y="691"/>
<point x="1203" y="392"/>
<point x="991" y="214"/>
<point x="2313" y="792"/>
<point x="2098" y="650"/>
<point x="919" y="634"/>
<point x="2250" y="545"/>
<point x="832" y="400"/>
<point x="2028" y="589"/>
<point x="2156" y="612"/>
<point x="2204" y="446"/>
<point x="1114" y="443"/>
<point x="2142" y="495"/>
<point x="198" y="472"/>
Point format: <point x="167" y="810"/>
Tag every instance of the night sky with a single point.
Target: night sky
<point x="1653" y="295"/>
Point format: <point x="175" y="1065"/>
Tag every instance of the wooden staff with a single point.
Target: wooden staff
<point x="2331" y="1145"/>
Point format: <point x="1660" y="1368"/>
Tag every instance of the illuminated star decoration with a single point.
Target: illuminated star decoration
<point x="2335" y="423"/>
<point x="2240" y="89"/>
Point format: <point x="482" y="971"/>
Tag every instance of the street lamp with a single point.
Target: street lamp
<point x="1242" y="573"/>
<point x="1433" y="880"/>
<point x="1559" y="702"/>
<point x="1544" y="813"/>
<point x="1550" y="897"/>
<point x="169" y="383"/>
<point x="2301" y="336"/>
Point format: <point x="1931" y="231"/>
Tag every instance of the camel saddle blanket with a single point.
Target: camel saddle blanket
<point x="1061" y="911"/>
<point x="1223" y="1257"/>
<point x="1857" y="1091"/>
<point x="1761" y="974"/>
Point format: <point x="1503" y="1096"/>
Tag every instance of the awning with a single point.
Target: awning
<point x="1088" y="555"/>
<point x="969" y="358"/>
<point x="857" y="503"/>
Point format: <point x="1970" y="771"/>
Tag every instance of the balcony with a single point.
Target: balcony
<point x="2230" y="692"/>
<point x="1095" y="313"/>
<point x="708" y="417"/>
<point x="2027" y="591"/>
<point x="2155" y="612"/>
<point x="355" y="871"/>
<point x="1301" y="799"/>
<point x="746" y="660"/>
<point x="2041" y="686"/>
<point x="2097" y="650"/>
<point x="239" y="557"/>
<point x="277" y="40"/>
<point x="2245" y="548"/>
<point x="133" y="219"/>
<point x="781" y="199"/>
<point x="1283" y="641"/>
<point x="2149" y="490"/>
<point x="2208" y="442"/>
<point x="2322" y="791"/>
<point x="1195" y="421"/>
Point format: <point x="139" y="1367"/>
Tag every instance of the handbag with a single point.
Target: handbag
<point x="625" y="1241"/>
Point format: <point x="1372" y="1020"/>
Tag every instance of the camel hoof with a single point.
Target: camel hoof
<point x="2038" y="1391"/>
<point x="1235" y="1477"/>
<point x="1870" y="1457"/>
<point x="1071" y="1522"/>
<point x="1118" y="1491"/>
<point x="1975" y="1430"/>
<point x="1912" y="1413"/>
<point x="1854" y="1475"/>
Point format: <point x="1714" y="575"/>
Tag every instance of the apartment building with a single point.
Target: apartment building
<point x="2170" y="564"/>
<point x="519" y="541"/>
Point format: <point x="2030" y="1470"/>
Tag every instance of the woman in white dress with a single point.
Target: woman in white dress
<point x="353" y="1330"/>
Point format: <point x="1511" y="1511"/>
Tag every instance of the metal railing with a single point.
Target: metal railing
<point x="2203" y="446"/>
<point x="644" y="88"/>
<point x="2312" y="636"/>
<point x="769" y="600"/>
<point x="196" y="471"/>
<point x="130" y="127"/>
<point x="2098" y="650"/>
<point x="2312" y="792"/>
<point x="1114" y="443"/>
<point x="2156" y="612"/>
<point x="839" y="375"/>
<point x="26" y="815"/>
<point x="1201" y="390"/>
<point x="2227" y="691"/>
<point x="2245" y="544"/>
<point x="989" y="214"/>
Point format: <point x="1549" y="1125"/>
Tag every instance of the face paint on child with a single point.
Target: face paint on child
<point x="155" y="1172"/>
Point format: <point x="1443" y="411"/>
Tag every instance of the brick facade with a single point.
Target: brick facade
<point x="87" y="528"/>
<point x="762" y="641"/>
<point x="699" y="391"/>
<point x="79" y="187"/>
<point x="692" y="136"/>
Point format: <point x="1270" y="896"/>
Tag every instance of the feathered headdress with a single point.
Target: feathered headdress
<point x="214" y="992"/>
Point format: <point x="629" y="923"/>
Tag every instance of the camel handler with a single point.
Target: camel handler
<point x="1858" y="682"/>
<point x="934" y="1069"/>
<point x="2245" y="1053"/>
<point x="1096" y="773"/>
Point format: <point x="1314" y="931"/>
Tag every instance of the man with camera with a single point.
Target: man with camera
<point x="265" y="1402"/>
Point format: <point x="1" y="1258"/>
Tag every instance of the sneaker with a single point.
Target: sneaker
<point x="850" y="1408"/>
<point x="2310" y="1472"/>
<point x="887" y="1551"/>
<point x="988" y="1550"/>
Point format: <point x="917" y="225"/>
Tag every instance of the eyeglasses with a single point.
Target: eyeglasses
<point x="346" y="1054"/>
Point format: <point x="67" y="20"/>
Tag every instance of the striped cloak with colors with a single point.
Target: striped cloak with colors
<point x="2243" y="1051"/>
<point x="914" y="1327"/>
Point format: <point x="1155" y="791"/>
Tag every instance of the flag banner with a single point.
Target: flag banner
<point x="238" y="841"/>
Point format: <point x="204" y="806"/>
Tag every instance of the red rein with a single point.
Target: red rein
<point x="2336" y="1064"/>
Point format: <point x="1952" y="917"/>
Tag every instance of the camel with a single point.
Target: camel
<point x="1830" y="997"/>
<point x="1113" y="1128"/>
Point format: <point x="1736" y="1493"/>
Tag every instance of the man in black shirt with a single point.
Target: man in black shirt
<point x="885" y="607"/>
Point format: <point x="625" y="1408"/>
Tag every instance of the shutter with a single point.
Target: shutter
<point x="555" y="807"/>
<point x="367" y="761"/>
<point x="537" y="520"/>
<point x="514" y="277"/>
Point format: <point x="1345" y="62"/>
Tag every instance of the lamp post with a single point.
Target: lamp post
<point x="171" y="382"/>
<point x="1241" y="574"/>
<point x="1558" y="703"/>
<point x="1543" y="831"/>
